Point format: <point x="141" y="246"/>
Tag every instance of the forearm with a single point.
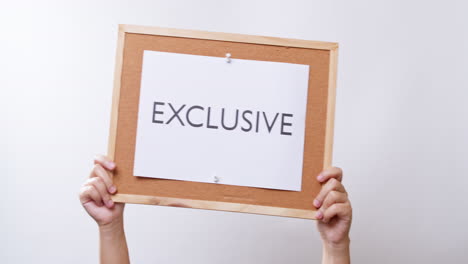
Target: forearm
<point x="113" y="244"/>
<point x="336" y="253"/>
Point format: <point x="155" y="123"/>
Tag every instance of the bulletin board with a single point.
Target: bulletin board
<point x="320" y="56"/>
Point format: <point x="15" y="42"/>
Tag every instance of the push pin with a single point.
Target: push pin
<point x="216" y="179"/>
<point x="228" y="57"/>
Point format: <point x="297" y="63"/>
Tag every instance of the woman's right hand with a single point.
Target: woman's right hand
<point x="95" y="194"/>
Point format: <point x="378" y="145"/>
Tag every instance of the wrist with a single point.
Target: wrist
<point x="112" y="242"/>
<point x="112" y="228"/>
<point x="337" y="245"/>
<point x="336" y="252"/>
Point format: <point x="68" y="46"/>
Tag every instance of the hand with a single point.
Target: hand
<point x="334" y="213"/>
<point x="95" y="194"/>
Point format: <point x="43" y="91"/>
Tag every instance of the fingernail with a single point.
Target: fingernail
<point x="110" y="203"/>
<point x="112" y="189"/>
<point x="110" y="165"/>
<point x="316" y="203"/>
<point x="319" y="215"/>
<point x="320" y="177"/>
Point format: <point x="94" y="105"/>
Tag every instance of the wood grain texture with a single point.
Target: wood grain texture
<point x="116" y="94"/>
<point x="197" y="34"/>
<point x="319" y="121"/>
<point x="211" y="205"/>
<point x="331" y="98"/>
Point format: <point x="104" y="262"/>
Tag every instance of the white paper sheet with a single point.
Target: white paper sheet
<point x="266" y="159"/>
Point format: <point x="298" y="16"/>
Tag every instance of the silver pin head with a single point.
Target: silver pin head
<point x="228" y="57"/>
<point x="216" y="179"/>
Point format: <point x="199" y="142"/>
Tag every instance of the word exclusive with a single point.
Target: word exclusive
<point x="246" y="120"/>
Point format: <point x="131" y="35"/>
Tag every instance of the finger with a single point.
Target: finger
<point x="104" y="161"/>
<point x="99" y="171"/>
<point x="342" y="210"/>
<point x="334" y="197"/>
<point x="89" y="193"/>
<point x="331" y="185"/>
<point x="332" y="172"/>
<point x="102" y="189"/>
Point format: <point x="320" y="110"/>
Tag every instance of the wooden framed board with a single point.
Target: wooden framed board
<point x="322" y="60"/>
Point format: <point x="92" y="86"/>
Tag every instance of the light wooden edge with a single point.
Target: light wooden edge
<point x="275" y="41"/>
<point x="332" y="75"/>
<point x="116" y="95"/>
<point x="213" y="205"/>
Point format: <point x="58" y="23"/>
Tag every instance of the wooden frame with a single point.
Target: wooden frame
<point x="331" y="48"/>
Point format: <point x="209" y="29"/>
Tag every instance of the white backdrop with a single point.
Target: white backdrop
<point x="401" y="130"/>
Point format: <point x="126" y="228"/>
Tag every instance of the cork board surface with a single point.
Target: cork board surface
<point x="314" y="148"/>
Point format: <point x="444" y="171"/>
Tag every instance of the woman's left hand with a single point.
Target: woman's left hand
<point x="334" y="212"/>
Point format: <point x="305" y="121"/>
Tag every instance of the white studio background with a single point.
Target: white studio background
<point x="401" y="130"/>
